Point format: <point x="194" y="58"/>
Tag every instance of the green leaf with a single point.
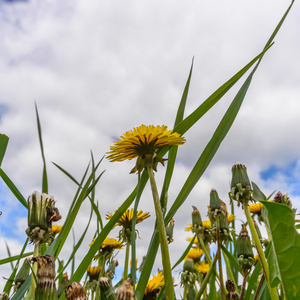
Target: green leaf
<point x="280" y="220"/>
<point x="13" y="258"/>
<point x="13" y="188"/>
<point x="3" y="145"/>
<point x="45" y="178"/>
<point x="258" y="195"/>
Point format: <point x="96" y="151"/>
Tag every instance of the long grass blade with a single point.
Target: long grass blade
<point x="3" y="145"/>
<point x="45" y="177"/>
<point x="13" y="188"/>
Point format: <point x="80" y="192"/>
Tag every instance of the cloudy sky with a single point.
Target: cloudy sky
<point x="98" y="68"/>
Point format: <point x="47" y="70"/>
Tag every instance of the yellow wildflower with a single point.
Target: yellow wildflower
<point x="202" y="267"/>
<point x="194" y="254"/>
<point x="155" y="284"/>
<point x="143" y="142"/>
<point x="255" y="208"/>
<point x="126" y="219"/>
<point x="230" y="218"/>
<point x="56" y="228"/>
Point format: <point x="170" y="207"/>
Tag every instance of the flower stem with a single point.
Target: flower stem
<point x="126" y="261"/>
<point x="36" y="252"/>
<point x="163" y="239"/>
<point x="220" y="259"/>
<point x="243" y="287"/>
<point x="262" y="258"/>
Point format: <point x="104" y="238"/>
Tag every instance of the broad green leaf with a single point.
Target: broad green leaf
<point x="3" y="145"/>
<point x="45" y="178"/>
<point x="280" y="220"/>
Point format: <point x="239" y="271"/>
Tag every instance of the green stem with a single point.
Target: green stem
<point x="220" y="259"/>
<point x="243" y="287"/>
<point x="206" y="279"/>
<point x="206" y="253"/>
<point x="163" y="238"/>
<point x="262" y="258"/>
<point x="126" y="261"/>
<point x="36" y="252"/>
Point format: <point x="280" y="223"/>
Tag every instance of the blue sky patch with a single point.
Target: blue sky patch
<point x="288" y="172"/>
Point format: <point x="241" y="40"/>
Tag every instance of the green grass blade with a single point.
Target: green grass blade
<point x="184" y="253"/>
<point x="22" y="290"/>
<point x="195" y="116"/>
<point x="9" y="255"/>
<point x="4" y="261"/>
<point x="11" y="279"/>
<point x="103" y="234"/>
<point x="45" y="178"/>
<point x="211" y="148"/>
<point x="13" y="188"/>
<point x="3" y="145"/>
<point x="60" y="240"/>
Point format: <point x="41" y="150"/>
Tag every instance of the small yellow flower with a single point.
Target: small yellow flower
<point x="196" y="242"/>
<point x="109" y="245"/>
<point x="155" y="284"/>
<point x="56" y="228"/>
<point x="194" y="254"/>
<point x="202" y="267"/>
<point x="256" y="257"/>
<point x="255" y="208"/>
<point x="230" y="218"/>
<point x="143" y="142"/>
<point x="126" y="219"/>
<point x="206" y="224"/>
<point x="93" y="272"/>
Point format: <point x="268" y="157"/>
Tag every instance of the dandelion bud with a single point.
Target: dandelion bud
<point x="188" y="265"/>
<point x="215" y="202"/>
<point x="22" y="274"/>
<point x="240" y="184"/>
<point x="4" y="296"/>
<point x="106" y="288"/>
<point x="41" y="213"/>
<point x="169" y="231"/>
<point x="196" y="219"/>
<point x="284" y="199"/>
<point x="45" y="288"/>
<point x="125" y="291"/>
<point x="62" y="285"/>
<point x="239" y="175"/>
<point x="244" y="251"/>
<point x="230" y="287"/>
<point x="75" y="291"/>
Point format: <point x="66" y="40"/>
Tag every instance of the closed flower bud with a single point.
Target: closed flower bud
<point x="230" y="287"/>
<point x="22" y="274"/>
<point x="125" y="291"/>
<point x="75" y="291"/>
<point x="106" y="288"/>
<point x="215" y="202"/>
<point x="239" y="176"/>
<point x="188" y="265"/>
<point x="244" y="246"/>
<point x="169" y="231"/>
<point x="196" y="219"/>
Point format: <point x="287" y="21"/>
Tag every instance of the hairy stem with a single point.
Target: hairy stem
<point x="163" y="239"/>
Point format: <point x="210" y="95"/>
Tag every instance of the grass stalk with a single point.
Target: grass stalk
<point x="220" y="259"/>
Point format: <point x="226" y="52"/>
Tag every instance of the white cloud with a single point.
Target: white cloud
<point x="97" y="69"/>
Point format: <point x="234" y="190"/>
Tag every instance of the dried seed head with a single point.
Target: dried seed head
<point x="75" y="291"/>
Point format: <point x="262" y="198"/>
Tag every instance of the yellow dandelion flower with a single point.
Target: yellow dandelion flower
<point x="206" y="224"/>
<point x="194" y="254"/>
<point x="143" y="142"/>
<point x="56" y="228"/>
<point x="256" y="257"/>
<point x="93" y="272"/>
<point x="255" y="208"/>
<point x="202" y="267"/>
<point x="189" y="228"/>
<point x="126" y="219"/>
<point x="109" y="245"/>
<point x="196" y="242"/>
<point x="230" y="218"/>
<point x="155" y="284"/>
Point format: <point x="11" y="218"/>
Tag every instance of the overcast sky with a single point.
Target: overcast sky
<point x="99" y="68"/>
